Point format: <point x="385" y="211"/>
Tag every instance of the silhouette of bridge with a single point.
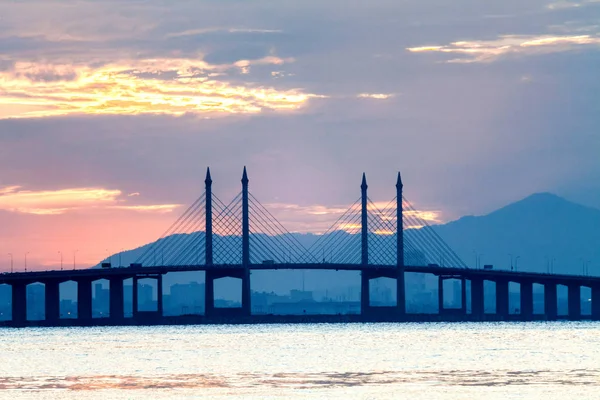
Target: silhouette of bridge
<point x="231" y="240"/>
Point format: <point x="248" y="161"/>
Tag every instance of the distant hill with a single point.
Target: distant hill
<point x="541" y="229"/>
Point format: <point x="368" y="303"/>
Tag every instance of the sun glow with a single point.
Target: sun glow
<point x="169" y="86"/>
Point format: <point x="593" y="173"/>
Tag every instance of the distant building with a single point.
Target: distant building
<point x="301" y="295"/>
<point x="5" y="302"/>
<point x="146" y="301"/>
<point x="185" y="299"/>
<point x="101" y="301"/>
<point x="36" y="309"/>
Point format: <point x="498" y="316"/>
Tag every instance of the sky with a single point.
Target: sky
<point x="111" y="111"/>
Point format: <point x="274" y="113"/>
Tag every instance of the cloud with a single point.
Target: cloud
<point x="202" y="31"/>
<point x="170" y="86"/>
<point x="376" y="96"/>
<point x="160" y="208"/>
<point x="318" y="218"/>
<point x="562" y="5"/>
<point x="492" y="50"/>
<point x="55" y="202"/>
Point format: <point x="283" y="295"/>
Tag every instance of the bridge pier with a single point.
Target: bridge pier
<point x="365" y="296"/>
<point x="477" y="299"/>
<point x="596" y="302"/>
<point x="400" y="293"/>
<point x="246" y="294"/>
<point x="502" y="308"/>
<point x="209" y="294"/>
<point x="19" y="303"/>
<point x="392" y="312"/>
<point x="463" y="295"/>
<point x="116" y="302"/>
<point x="526" y="300"/>
<point x="574" y="301"/>
<point x="52" y="301"/>
<point x="550" y="300"/>
<point x="159" y="295"/>
<point x="134" y="298"/>
<point x="440" y="295"/>
<point x="84" y="300"/>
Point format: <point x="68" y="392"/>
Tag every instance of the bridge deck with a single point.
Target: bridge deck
<point x="125" y="272"/>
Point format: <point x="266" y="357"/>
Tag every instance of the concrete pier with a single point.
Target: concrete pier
<point x="19" y="303"/>
<point x="596" y="302"/>
<point x="440" y="295"/>
<point x="84" y="299"/>
<point x="550" y="301"/>
<point x="526" y="300"/>
<point x="477" y="299"/>
<point x="502" y="298"/>
<point x="574" y="301"/>
<point x="116" y="299"/>
<point x="52" y="300"/>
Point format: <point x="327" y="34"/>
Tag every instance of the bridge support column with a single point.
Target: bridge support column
<point x="400" y="293"/>
<point x="477" y="299"/>
<point x="574" y="301"/>
<point x="159" y="295"/>
<point x="84" y="300"/>
<point x="116" y="301"/>
<point x="526" y="300"/>
<point x="440" y="295"/>
<point x="52" y="300"/>
<point x="19" y="303"/>
<point x="134" y="298"/>
<point x="463" y="295"/>
<point x="209" y="294"/>
<point x="502" y="298"/>
<point x="365" y="298"/>
<point x="246" y="294"/>
<point x="550" y="299"/>
<point x="596" y="303"/>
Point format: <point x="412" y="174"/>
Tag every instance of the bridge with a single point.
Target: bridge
<point x="231" y="240"/>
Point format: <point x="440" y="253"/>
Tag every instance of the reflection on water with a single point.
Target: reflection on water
<point x="305" y="380"/>
<point x="503" y="360"/>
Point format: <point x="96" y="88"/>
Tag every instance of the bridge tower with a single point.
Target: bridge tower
<point x="365" y="275"/>
<point x="209" y="276"/>
<point x="400" y="285"/>
<point x="246" y="294"/>
<point x="208" y="230"/>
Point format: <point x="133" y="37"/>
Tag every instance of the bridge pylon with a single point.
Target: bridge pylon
<point x="400" y="284"/>
<point x="246" y="293"/>
<point x="368" y="273"/>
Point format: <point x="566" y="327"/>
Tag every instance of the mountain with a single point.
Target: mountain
<point x="542" y="230"/>
<point x="539" y="231"/>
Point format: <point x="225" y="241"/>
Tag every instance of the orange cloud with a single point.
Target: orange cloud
<point x="161" y="208"/>
<point x="53" y="202"/>
<point x="171" y="86"/>
<point x="319" y="218"/>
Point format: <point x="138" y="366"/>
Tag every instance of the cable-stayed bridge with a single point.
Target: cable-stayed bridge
<point x="230" y="239"/>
